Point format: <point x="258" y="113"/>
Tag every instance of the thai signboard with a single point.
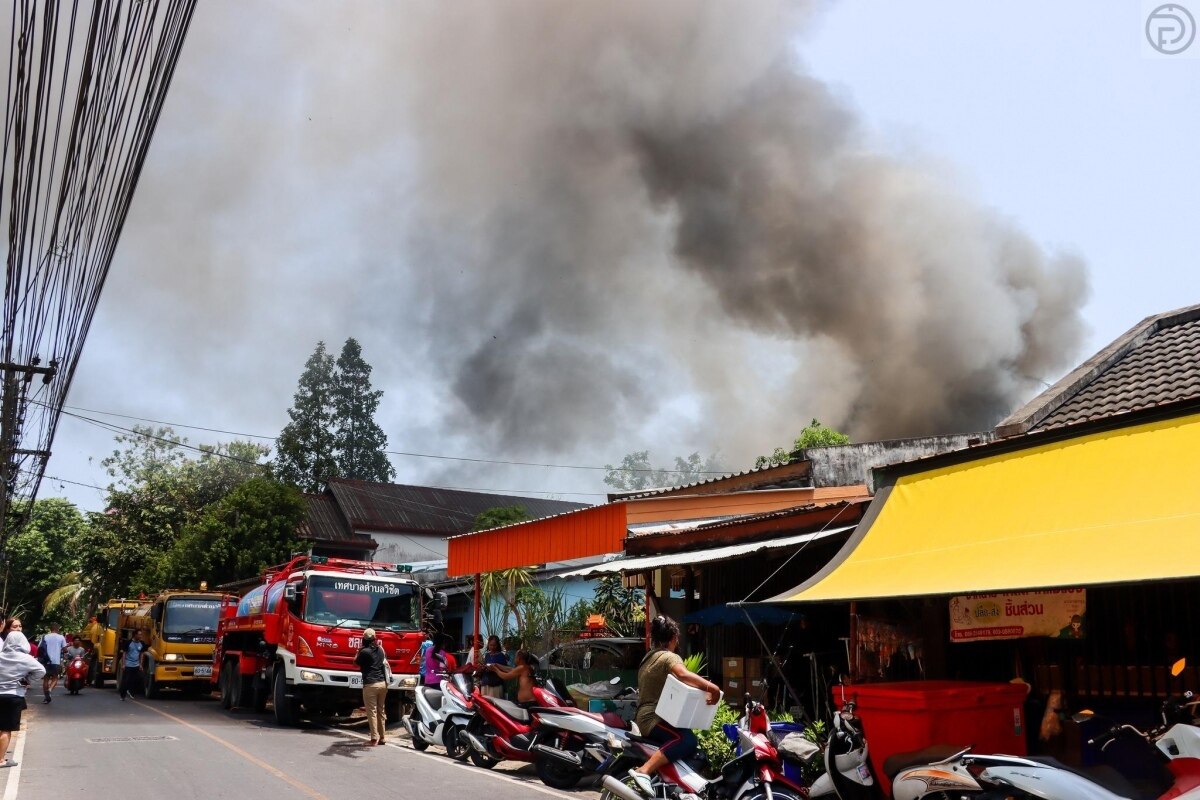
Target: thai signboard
<point x="1055" y="613"/>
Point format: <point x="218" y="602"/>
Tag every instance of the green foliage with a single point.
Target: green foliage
<point x="158" y="492"/>
<point x="714" y="743"/>
<point x="248" y="530"/>
<point x="502" y="585"/>
<point x="815" y="435"/>
<point x="305" y="450"/>
<point x="42" y="555"/>
<point x="359" y="443"/>
<point x="577" y="616"/>
<point x="623" y="609"/>
<point x="696" y="663"/>
<point x="636" y="475"/>
<point x="500" y="516"/>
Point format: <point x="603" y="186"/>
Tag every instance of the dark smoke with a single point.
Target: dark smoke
<point x="669" y="167"/>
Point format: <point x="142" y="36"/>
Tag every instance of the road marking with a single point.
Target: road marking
<point x="283" y="776"/>
<point x="14" y="773"/>
<point x="461" y="765"/>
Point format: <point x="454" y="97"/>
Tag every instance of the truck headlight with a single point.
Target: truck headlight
<point x="171" y="657"/>
<point x="314" y="677"/>
<point x="409" y="683"/>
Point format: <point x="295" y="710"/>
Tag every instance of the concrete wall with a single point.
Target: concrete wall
<point x="848" y="464"/>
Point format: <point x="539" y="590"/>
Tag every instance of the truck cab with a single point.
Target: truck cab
<point x="104" y="635"/>
<point x="180" y="631"/>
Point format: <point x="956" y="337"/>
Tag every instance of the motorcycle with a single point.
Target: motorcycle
<point x="756" y="774"/>
<point x="502" y="730"/>
<point x="77" y="672"/>
<point x="440" y="715"/>
<point x="573" y="743"/>
<point x="848" y="774"/>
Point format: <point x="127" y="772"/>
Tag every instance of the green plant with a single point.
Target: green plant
<point x="696" y="663"/>
<point x="715" y="745"/>
<point x="815" y="732"/>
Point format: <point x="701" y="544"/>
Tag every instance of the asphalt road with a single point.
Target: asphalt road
<point x="175" y="748"/>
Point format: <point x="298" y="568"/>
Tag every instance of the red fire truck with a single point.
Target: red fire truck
<point x="293" y="638"/>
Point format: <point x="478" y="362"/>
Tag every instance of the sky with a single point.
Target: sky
<point x="459" y="192"/>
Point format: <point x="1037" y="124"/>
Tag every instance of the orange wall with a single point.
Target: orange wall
<point x="589" y="532"/>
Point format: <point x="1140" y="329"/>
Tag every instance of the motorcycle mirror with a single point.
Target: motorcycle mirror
<point x="1084" y="715"/>
<point x="1178" y="667"/>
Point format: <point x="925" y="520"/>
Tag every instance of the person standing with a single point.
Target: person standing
<point x="490" y="684"/>
<point x="423" y="653"/>
<point x="372" y="662"/>
<point x="53" y="644"/>
<point x="18" y="669"/>
<point x="131" y="671"/>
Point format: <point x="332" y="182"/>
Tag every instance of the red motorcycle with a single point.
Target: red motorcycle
<point x="503" y="730"/>
<point x="77" y="672"/>
<point x="757" y="774"/>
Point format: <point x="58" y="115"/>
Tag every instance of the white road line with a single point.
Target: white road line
<point x="460" y="765"/>
<point x="14" y="773"/>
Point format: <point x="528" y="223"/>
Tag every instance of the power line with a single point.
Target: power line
<point x="74" y="483"/>
<point x="414" y="454"/>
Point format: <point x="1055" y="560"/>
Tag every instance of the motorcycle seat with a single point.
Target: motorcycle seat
<point x="511" y="709"/>
<point x="432" y="696"/>
<point x="1102" y="775"/>
<point x="892" y="765"/>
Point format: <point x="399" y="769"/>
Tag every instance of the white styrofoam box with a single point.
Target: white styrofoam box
<point x="684" y="706"/>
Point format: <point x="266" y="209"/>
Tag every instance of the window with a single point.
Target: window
<point x="569" y="656"/>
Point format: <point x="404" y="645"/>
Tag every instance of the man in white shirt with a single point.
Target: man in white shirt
<point x="53" y="643"/>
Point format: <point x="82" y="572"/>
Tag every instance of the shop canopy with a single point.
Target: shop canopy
<point x="737" y="615"/>
<point x="1113" y="506"/>
<point x="687" y="557"/>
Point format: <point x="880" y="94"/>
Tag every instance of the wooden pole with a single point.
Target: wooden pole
<point x="476" y="633"/>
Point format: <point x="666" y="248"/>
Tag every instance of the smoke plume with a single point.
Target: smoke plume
<point x="576" y="229"/>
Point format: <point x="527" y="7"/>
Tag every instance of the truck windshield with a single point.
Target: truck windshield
<point x="192" y="618"/>
<point x="361" y="603"/>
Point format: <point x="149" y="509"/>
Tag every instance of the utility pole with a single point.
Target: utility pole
<point x="15" y="377"/>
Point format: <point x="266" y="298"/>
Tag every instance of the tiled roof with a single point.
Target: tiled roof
<point x="397" y="507"/>
<point x="1154" y="364"/>
<point x="324" y="523"/>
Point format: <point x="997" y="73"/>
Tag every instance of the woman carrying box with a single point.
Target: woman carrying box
<point x="674" y="744"/>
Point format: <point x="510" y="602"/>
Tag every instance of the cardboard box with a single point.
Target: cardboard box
<point x="684" y="706"/>
<point x="753" y="668"/>
<point x="733" y="667"/>
<point x="733" y="689"/>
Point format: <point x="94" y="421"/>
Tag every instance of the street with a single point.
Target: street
<point x="183" y="748"/>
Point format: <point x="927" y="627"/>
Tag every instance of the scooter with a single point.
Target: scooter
<point x="77" y="672"/>
<point x="440" y="715"/>
<point x="757" y="774"/>
<point x="501" y="730"/>
<point x="848" y="774"/>
<point x="573" y="743"/>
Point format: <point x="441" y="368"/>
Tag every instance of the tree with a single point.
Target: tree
<point x="248" y="530"/>
<point x="815" y="435"/>
<point x="636" y="475"/>
<point x="41" y="556"/>
<point x="500" y="516"/>
<point x="157" y="491"/>
<point x="360" y="443"/>
<point x="305" y="452"/>
<point x="623" y="608"/>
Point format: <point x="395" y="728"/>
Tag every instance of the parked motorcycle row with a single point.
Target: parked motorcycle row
<point x="567" y="744"/>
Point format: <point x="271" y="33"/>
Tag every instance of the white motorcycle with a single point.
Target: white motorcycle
<point x="847" y="773"/>
<point x="439" y="715"/>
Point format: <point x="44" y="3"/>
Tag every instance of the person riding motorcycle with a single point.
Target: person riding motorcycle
<point x="674" y="744"/>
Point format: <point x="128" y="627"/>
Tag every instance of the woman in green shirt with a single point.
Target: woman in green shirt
<point x="674" y="744"/>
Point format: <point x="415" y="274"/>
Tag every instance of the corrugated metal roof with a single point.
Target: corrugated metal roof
<point x="324" y="523"/>
<point x="399" y="507"/>
<point x="788" y="469"/>
<point x="638" y="563"/>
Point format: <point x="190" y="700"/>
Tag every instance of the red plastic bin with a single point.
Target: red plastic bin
<point x="909" y="715"/>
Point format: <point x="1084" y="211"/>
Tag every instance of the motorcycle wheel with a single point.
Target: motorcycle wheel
<point x="480" y="760"/>
<point x="479" y="728"/>
<point x="419" y="744"/>
<point x="456" y="748"/>
<point x="556" y="774"/>
<point x="783" y="794"/>
<point x="605" y="794"/>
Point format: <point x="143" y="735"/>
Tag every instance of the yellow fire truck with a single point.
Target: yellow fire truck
<point x="179" y="628"/>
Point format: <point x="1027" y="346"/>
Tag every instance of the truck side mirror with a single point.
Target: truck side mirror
<point x="289" y="593"/>
<point x="156" y="612"/>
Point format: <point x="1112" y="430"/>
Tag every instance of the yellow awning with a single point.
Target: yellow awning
<point x="1116" y="506"/>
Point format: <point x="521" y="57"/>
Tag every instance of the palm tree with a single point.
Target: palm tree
<point x="503" y="584"/>
<point x="73" y="588"/>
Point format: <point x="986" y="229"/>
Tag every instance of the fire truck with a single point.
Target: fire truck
<point x="179" y="627"/>
<point x="293" y="638"/>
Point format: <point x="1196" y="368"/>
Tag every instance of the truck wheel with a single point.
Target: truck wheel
<point x="392" y="706"/>
<point x="225" y="683"/>
<point x="150" y="687"/>
<point x="287" y="712"/>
